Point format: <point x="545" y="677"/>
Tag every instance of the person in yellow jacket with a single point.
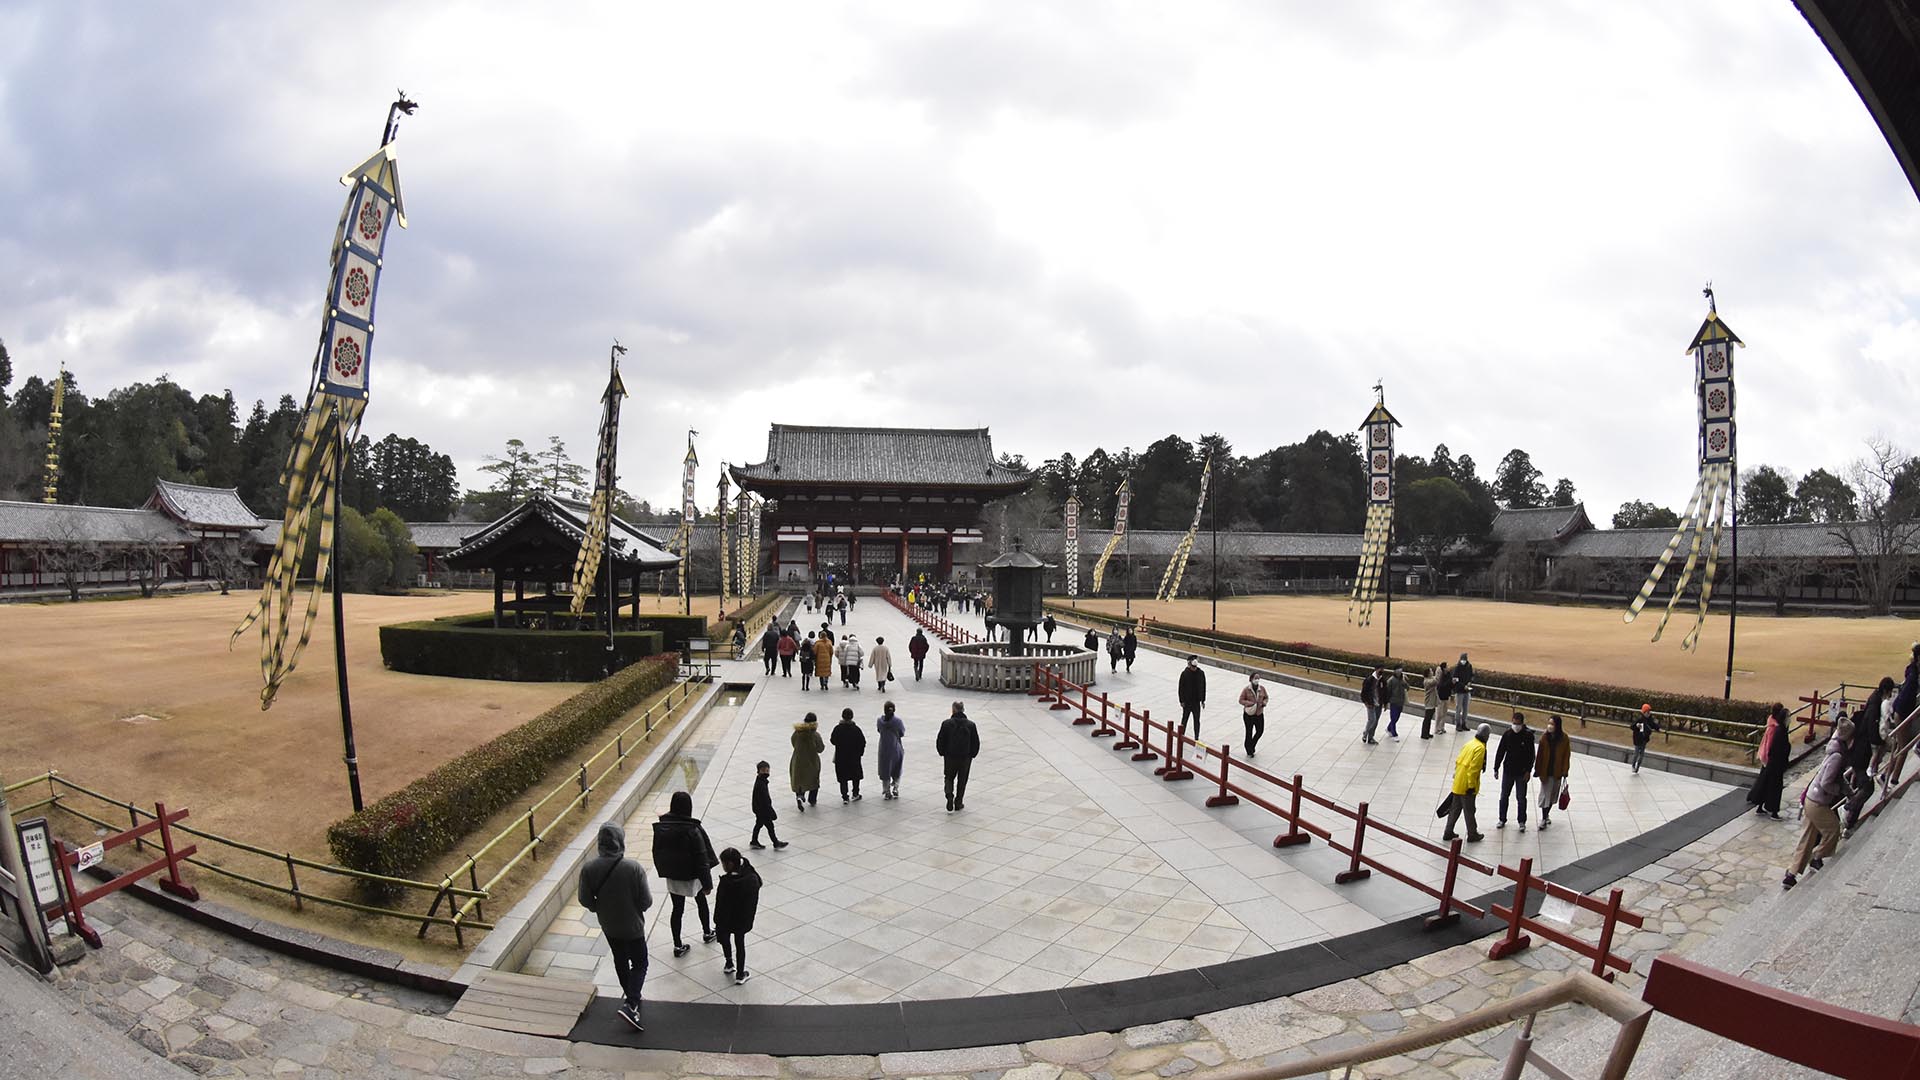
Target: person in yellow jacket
<point x="1467" y="767"/>
<point x="822" y="658"/>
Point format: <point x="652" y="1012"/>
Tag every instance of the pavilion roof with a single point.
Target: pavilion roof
<point x="547" y="532"/>
<point x="203" y="507"/>
<point x="906" y="457"/>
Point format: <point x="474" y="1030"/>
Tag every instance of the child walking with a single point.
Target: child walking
<point x="763" y="814"/>
<point x="733" y="911"/>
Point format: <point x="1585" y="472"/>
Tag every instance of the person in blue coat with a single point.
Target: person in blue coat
<point x="891" y="754"/>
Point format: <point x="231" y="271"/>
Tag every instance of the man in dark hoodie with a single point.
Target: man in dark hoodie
<point x="1192" y="690"/>
<point x="684" y="859"/>
<point x="614" y="888"/>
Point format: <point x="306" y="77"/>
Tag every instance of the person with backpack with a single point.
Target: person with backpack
<point x="734" y="905"/>
<point x="683" y="857"/>
<point x="805" y="654"/>
<point x="614" y="888"/>
<point x="849" y="747"/>
<point x="1820" y="836"/>
<point x="1644" y="725"/>
<point x="917" y="649"/>
<point x="1516" y="756"/>
<point x="1462" y="692"/>
<point x="1552" y="761"/>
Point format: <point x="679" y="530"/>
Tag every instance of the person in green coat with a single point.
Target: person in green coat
<point x="804" y="768"/>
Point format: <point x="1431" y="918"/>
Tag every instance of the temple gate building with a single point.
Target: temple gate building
<point x="866" y="505"/>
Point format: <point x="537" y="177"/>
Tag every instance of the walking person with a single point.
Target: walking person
<point x="1863" y="753"/>
<point x="1821" y="833"/>
<point x="1433" y="696"/>
<point x="739" y="642"/>
<point x="805" y="655"/>
<point x="842" y="607"/>
<point x="957" y="743"/>
<point x="770" y="647"/>
<point x="1372" y="690"/>
<point x="1644" y="725"/>
<point x="917" y="648"/>
<point x="1048" y="625"/>
<point x="1552" y="761"/>
<point x="1468" y="764"/>
<point x="822" y="657"/>
<point x="803" y="768"/>
<point x="1193" y="694"/>
<point x="1515" y="754"/>
<point x="1092" y="643"/>
<point x="683" y="856"/>
<point x="1462" y="692"/>
<point x="614" y="888"/>
<point x="1129" y="647"/>
<point x="1396" y="699"/>
<point x="881" y="660"/>
<point x="1253" y="711"/>
<point x="788" y="646"/>
<point x="891" y="754"/>
<point x="1116" y="648"/>
<point x="1775" y="749"/>
<point x="734" y="905"/>
<point x="763" y="812"/>
<point x="850" y="655"/>
<point x="849" y="747"/>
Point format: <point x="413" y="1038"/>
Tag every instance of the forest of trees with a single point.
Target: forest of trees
<point x="113" y="448"/>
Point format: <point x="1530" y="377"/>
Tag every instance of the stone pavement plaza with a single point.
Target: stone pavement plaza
<point x="1071" y="864"/>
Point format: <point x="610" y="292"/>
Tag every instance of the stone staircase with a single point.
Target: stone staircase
<point x="1845" y="935"/>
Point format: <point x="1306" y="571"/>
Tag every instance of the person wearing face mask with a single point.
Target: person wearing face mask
<point x="1253" y="708"/>
<point x="1515" y="755"/>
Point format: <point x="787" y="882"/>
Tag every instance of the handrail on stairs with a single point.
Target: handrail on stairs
<point x="1579" y="987"/>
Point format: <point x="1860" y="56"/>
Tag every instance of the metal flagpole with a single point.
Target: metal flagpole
<point x="1733" y="598"/>
<point x="1214" y="590"/>
<point x="340" y="635"/>
<point x="1387" y="649"/>
<point x="1128" y="451"/>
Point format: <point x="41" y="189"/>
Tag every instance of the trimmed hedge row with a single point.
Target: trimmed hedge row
<point x="745" y="615"/>
<point x="424" y="820"/>
<point x="1737" y="720"/>
<point x="677" y="630"/>
<point x="470" y="647"/>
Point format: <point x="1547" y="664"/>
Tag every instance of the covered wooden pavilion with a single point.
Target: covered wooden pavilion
<point x="534" y="545"/>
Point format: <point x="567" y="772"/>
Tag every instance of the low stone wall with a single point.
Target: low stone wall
<point x="985" y="665"/>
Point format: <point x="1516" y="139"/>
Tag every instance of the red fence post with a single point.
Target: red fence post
<point x="1127" y="741"/>
<point x="1039" y="689"/>
<point x="1176" y="757"/>
<point x="1086" y="714"/>
<point x="1515" y="941"/>
<point x="172" y="883"/>
<point x="1146" y="737"/>
<point x="1294" y="834"/>
<point x="1105" y="730"/>
<point x="76" y="920"/>
<point x="1354" y="871"/>
<point x="1225" y="797"/>
<point x="1446" y="916"/>
<point x="1060" y="691"/>
<point x="1606" y="937"/>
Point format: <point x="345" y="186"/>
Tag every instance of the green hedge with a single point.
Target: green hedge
<point x="470" y="647"/>
<point x="676" y="629"/>
<point x="1717" y="717"/>
<point x="424" y="820"/>
<point x="744" y="616"/>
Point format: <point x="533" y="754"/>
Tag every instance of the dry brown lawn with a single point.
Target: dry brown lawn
<point x="1775" y="659"/>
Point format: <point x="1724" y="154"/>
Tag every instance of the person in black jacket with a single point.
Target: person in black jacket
<point x="1049" y="625"/>
<point x="763" y="813"/>
<point x="684" y="859"/>
<point x="614" y="888"/>
<point x="1644" y="725"/>
<point x="1515" y="753"/>
<point x="1372" y="696"/>
<point x="734" y="906"/>
<point x="1193" y="694"/>
<point x="1865" y="748"/>
<point x="849" y="747"/>
<point x="1462" y="692"/>
<point x="957" y="743"/>
<point x="1129" y="648"/>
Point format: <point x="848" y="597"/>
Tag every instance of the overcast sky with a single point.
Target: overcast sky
<point x="1079" y="224"/>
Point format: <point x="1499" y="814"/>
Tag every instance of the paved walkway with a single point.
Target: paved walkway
<point x="1071" y="864"/>
<point x="223" y="1008"/>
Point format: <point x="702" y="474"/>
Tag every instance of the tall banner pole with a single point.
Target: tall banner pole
<point x="596" y="546"/>
<point x="688" y="513"/>
<point x="1072" y="552"/>
<point x="720" y="536"/>
<point x="1177" y="565"/>
<point x="336" y="400"/>
<point x="1702" y="522"/>
<point x="1376" y="538"/>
